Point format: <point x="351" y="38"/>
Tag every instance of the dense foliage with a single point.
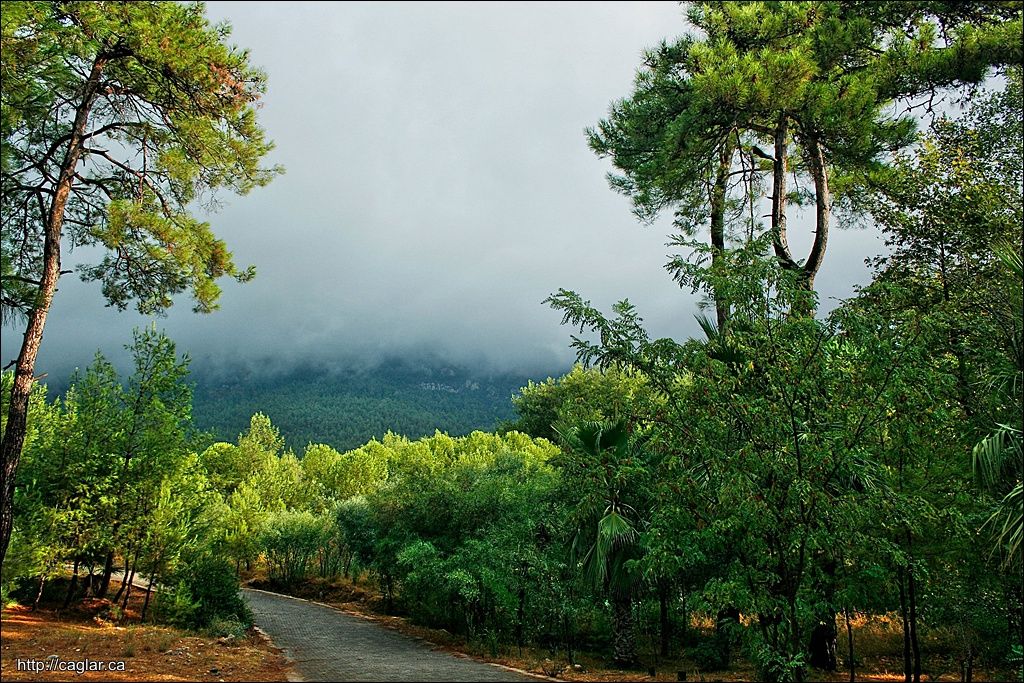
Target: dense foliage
<point x="779" y="475"/>
<point x="111" y="479"/>
<point x="117" y="120"/>
<point x="347" y="408"/>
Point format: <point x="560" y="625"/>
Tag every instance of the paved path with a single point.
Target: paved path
<point x="328" y="645"/>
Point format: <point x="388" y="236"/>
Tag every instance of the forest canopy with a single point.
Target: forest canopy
<point x="738" y="498"/>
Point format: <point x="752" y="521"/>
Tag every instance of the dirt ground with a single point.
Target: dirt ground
<point x="82" y="637"/>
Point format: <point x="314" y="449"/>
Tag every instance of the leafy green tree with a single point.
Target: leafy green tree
<point x="948" y="211"/>
<point x="290" y="541"/>
<point x="607" y="465"/>
<point x="582" y="395"/>
<point x="789" y="468"/>
<point x="812" y="81"/>
<point x="226" y="466"/>
<point x="116" y="119"/>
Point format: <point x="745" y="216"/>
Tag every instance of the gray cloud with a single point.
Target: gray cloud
<point x="438" y="188"/>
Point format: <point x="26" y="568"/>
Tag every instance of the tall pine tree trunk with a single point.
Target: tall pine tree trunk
<point x="822" y="211"/>
<point x="24" y="373"/>
<point x="108" y="571"/>
<point x="718" y="196"/>
<point x="780" y="240"/>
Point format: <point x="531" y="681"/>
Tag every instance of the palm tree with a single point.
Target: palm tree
<point x="999" y="457"/>
<point x="606" y="539"/>
<point x="998" y="460"/>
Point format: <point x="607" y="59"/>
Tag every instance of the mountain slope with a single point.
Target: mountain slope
<point x="347" y="407"/>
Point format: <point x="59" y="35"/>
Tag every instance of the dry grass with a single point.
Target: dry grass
<point x="152" y="653"/>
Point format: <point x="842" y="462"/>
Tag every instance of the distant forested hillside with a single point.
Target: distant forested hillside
<point x="346" y="407"/>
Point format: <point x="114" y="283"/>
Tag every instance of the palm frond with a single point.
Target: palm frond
<point x="998" y="455"/>
<point x="709" y="327"/>
<point x="1011" y="513"/>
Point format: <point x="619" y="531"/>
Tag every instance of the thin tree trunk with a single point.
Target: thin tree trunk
<point x="907" y="666"/>
<point x="665" y="626"/>
<point x="72" y="586"/>
<point x="39" y="593"/>
<point x="17" y="411"/>
<point x="108" y="570"/>
<point x="849" y="642"/>
<point x="780" y="241"/>
<point x="718" y="193"/>
<point x="914" y="643"/>
<point x="127" y="594"/>
<point x="124" y="577"/>
<point x="130" y="578"/>
<point x="149" y="592"/>
<point x="128" y="591"/>
<point x="822" y="212"/>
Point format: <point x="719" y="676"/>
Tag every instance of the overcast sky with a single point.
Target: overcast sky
<point x="438" y="188"/>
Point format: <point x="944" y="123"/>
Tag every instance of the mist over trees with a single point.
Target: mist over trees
<point x="747" y="498"/>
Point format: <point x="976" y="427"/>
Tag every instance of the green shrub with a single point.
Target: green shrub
<point x="207" y="590"/>
<point x="230" y="627"/>
<point x="176" y="606"/>
<point x="708" y="656"/>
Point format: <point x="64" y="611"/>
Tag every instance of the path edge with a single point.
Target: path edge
<point x="356" y="614"/>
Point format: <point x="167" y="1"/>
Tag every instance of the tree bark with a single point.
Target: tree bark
<point x="825" y="636"/>
<point x="17" y="411"/>
<point x="149" y="592"/>
<point x="108" y="570"/>
<point x="822" y="213"/>
<point x="718" y="193"/>
<point x="849" y="643"/>
<point x="907" y="667"/>
<point x="72" y="585"/>
<point x="129" y="583"/>
<point x="914" y="643"/>
<point x="39" y="593"/>
<point x="130" y="578"/>
<point x="624" y="640"/>
<point x="665" y="625"/>
<point x="780" y="241"/>
<point x="124" y="578"/>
